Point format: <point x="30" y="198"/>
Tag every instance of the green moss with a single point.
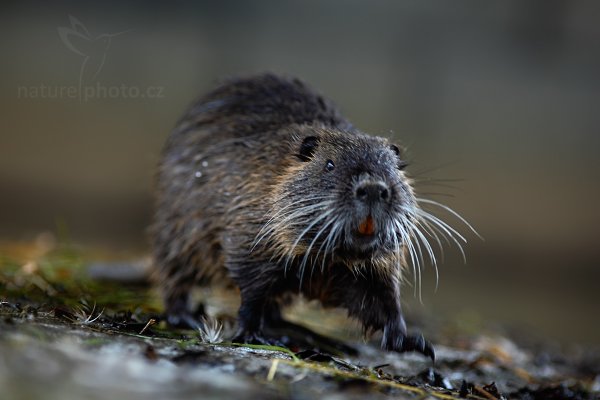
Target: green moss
<point x="59" y="278"/>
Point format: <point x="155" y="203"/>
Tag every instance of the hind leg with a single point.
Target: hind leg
<point x="251" y="318"/>
<point x="255" y="293"/>
<point x="176" y="289"/>
<point x="180" y="315"/>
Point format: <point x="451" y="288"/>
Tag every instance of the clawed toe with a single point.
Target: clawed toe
<point x="417" y="343"/>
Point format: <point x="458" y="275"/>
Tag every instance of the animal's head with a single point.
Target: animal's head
<point x="342" y="195"/>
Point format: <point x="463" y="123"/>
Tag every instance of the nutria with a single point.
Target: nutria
<point x="264" y="184"/>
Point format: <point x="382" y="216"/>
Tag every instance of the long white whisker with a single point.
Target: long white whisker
<point x="425" y="242"/>
<point x="414" y="261"/>
<point x="406" y="240"/>
<point x="432" y="232"/>
<point x="447" y="233"/>
<point x="329" y="240"/>
<point x="270" y="227"/>
<point x="417" y="246"/>
<point x="397" y="250"/>
<point x="295" y="210"/>
<point x="441" y="223"/>
<point x="307" y="252"/>
<point x="290" y="205"/>
<point x="451" y="211"/>
<point x="317" y="220"/>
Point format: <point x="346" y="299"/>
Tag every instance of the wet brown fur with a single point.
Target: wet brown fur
<point x="231" y="170"/>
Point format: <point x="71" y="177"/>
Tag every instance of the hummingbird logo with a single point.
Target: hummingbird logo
<point x="93" y="49"/>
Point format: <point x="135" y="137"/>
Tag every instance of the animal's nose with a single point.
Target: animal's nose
<point x="372" y="192"/>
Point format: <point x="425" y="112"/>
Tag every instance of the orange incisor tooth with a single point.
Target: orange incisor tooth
<point x="367" y="227"/>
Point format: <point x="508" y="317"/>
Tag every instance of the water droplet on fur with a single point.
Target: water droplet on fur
<point x="205" y="164"/>
<point x="198" y="174"/>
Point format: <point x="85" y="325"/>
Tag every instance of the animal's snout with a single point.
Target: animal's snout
<point x="372" y="192"/>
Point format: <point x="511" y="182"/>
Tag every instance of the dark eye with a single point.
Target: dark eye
<point x="395" y="149"/>
<point x="329" y="165"/>
<point x="307" y="148"/>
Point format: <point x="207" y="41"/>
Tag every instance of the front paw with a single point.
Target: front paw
<point x="408" y="343"/>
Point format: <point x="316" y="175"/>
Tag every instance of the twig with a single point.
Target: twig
<point x="272" y="370"/>
<point x="151" y="322"/>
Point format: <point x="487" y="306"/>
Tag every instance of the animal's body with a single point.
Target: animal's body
<point x="264" y="184"/>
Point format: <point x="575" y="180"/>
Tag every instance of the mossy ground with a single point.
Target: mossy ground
<point x="65" y="335"/>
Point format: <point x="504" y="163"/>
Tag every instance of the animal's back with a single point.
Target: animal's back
<point x="260" y="104"/>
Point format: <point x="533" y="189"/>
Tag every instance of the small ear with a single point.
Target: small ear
<point x="307" y="148"/>
<point x="401" y="163"/>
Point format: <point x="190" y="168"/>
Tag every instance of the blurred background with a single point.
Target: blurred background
<point x="496" y="103"/>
